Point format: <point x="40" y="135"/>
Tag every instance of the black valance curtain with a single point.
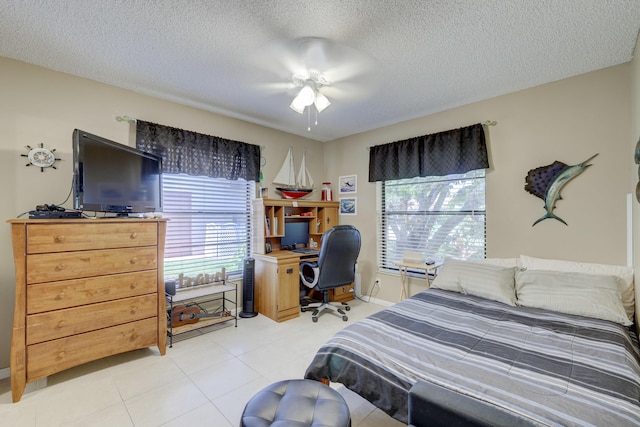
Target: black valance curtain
<point x="197" y="154"/>
<point x="454" y="151"/>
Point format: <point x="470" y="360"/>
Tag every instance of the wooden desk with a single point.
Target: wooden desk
<point x="277" y="285"/>
<point x="405" y="266"/>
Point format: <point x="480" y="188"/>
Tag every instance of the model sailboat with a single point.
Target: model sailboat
<point x="290" y="186"/>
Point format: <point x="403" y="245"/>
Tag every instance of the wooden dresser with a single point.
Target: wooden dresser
<point x="85" y="289"/>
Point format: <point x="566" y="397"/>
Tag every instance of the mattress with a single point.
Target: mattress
<point x="546" y="367"/>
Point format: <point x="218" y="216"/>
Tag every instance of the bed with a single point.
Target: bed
<point x="509" y="337"/>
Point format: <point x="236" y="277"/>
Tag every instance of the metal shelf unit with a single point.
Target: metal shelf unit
<point x="194" y="315"/>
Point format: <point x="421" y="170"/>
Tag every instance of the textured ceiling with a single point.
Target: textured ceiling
<point x="388" y="61"/>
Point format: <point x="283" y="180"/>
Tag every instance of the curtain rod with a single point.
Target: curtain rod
<point x="125" y="119"/>
<point x="130" y="120"/>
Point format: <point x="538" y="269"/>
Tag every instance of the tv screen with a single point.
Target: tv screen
<point x="112" y="177"/>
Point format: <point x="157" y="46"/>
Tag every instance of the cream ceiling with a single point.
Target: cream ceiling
<point x="388" y="60"/>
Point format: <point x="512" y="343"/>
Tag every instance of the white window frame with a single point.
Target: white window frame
<point x="209" y="224"/>
<point x="391" y="249"/>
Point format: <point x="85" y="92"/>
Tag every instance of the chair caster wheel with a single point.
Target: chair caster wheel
<point x="302" y="309"/>
<point x="315" y="319"/>
<point x="345" y="318"/>
<point x="347" y="308"/>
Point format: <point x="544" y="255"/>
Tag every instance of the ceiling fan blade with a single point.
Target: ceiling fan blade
<point x="313" y="53"/>
<point x="279" y="59"/>
<point x="348" y="91"/>
<point x="348" y="70"/>
<point x="275" y="87"/>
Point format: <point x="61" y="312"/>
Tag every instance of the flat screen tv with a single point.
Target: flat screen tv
<point x="112" y="177"/>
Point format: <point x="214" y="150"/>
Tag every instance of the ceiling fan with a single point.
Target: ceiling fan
<point x="314" y="70"/>
<point x="310" y="93"/>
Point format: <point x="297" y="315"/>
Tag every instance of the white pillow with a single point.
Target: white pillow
<point x="479" y="279"/>
<point x="582" y="294"/>
<point x="500" y="262"/>
<point x="624" y="273"/>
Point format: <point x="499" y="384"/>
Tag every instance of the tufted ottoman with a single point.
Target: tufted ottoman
<point x="297" y="403"/>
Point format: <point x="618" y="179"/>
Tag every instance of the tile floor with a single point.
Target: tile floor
<point x="205" y="380"/>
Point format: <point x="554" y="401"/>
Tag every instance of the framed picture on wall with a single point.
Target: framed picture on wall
<point x="348" y="184"/>
<point x="348" y="205"/>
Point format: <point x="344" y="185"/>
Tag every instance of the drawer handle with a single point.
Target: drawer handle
<point x="133" y="260"/>
<point x="133" y="310"/>
<point x="289" y="270"/>
<point x="133" y="285"/>
<point x="133" y="235"/>
<point x="60" y="296"/>
<point x="61" y="324"/>
<point x="59" y="239"/>
<point x="60" y="267"/>
<point x="134" y="336"/>
<point x="61" y="354"/>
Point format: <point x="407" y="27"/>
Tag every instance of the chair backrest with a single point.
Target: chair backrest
<point x="338" y="256"/>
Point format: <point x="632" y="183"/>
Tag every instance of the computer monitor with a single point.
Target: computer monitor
<point x="295" y="233"/>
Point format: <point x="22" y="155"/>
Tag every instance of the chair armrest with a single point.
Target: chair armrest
<point x="433" y="405"/>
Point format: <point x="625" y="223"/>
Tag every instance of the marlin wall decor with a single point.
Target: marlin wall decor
<point x="546" y="182"/>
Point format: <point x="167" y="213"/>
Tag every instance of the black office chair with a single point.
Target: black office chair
<point x="336" y="266"/>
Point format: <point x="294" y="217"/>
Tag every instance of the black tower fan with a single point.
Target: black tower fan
<point x="248" y="288"/>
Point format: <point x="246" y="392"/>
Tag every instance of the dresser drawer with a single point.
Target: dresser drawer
<point x="61" y="323"/>
<point x="43" y="238"/>
<point x="70" y="293"/>
<point x="51" y="267"/>
<point x="54" y="356"/>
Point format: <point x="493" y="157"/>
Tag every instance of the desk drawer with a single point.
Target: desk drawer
<point x="54" y="356"/>
<point x="51" y="267"/>
<point x="42" y="238"/>
<point x="71" y="293"/>
<point x="341" y="293"/>
<point x="71" y="321"/>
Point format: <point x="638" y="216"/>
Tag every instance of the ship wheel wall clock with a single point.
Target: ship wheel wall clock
<point x="41" y="157"/>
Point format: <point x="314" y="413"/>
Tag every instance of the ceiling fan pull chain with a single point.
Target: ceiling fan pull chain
<point x="309" y="119"/>
<point x="316" y="110"/>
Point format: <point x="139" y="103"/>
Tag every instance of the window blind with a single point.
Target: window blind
<point x="437" y="216"/>
<point x="209" y="224"/>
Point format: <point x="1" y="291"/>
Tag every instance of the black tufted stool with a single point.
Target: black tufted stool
<point x="300" y="403"/>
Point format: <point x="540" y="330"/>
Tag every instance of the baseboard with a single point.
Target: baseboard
<point x="4" y="373"/>
<point x="381" y="302"/>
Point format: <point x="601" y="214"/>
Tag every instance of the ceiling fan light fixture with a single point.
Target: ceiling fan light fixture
<point x="305" y="97"/>
<point x="297" y="105"/>
<point x="321" y="102"/>
<point x="310" y="94"/>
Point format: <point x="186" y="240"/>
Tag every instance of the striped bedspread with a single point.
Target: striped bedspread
<point x="553" y="368"/>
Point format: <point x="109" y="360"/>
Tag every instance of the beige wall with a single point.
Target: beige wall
<point x="569" y="121"/>
<point x="43" y="106"/>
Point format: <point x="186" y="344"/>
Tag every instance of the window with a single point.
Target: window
<point x="208" y="226"/>
<point x="436" y="216"/>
